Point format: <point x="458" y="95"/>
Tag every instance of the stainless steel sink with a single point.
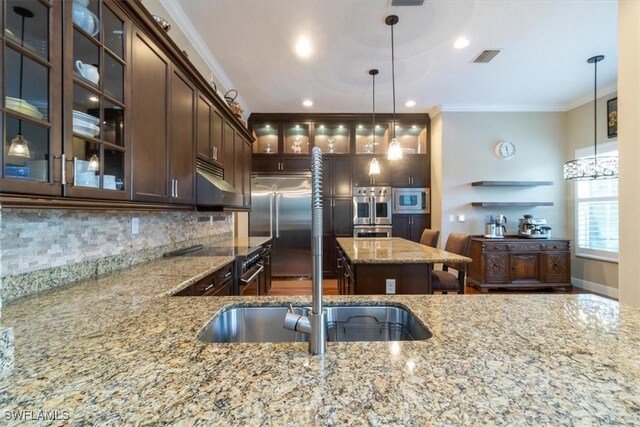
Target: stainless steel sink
<point x="344" y="323"/>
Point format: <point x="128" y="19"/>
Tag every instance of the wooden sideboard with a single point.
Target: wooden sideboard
<point x="518" y="263"/>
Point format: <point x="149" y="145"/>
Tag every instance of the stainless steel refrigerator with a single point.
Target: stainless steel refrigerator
<point x="281" y="209"/>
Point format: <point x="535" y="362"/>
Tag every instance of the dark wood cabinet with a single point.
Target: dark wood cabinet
<point x="246" y="173"/>
<point x="361" y="177"/>
<point x="219" y="283"/>
<point x="228" y="149"/>
<point x="182" y="143"/>
<point x="412" y="171"/>
<point x="519" y="263"/>
<point x="203" y="127"/>
<point x="337" y="176"/>
<point x="150" y="77"/>
<point x="337" y="221"/>
<point x="410" y="227"/>
<point x="262" y="163"/>
<point x="238" y="164"/>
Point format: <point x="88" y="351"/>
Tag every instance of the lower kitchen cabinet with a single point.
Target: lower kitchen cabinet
<point x="218" y="284"/>
<point x="337" y="221"/>
<point x="519" y="263"/>
<point x="410" y="227"/>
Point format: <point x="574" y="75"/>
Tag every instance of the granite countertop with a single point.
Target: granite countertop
<point x="114" y="351"/>
<point x="394" y="250"/>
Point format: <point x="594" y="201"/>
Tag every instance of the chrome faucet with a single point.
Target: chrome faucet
<point x="314" y="323"/>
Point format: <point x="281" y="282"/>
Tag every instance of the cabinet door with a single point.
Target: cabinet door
<point x="203" y="127"/>
<point x="150" y="75"/>
<point x="327" y="216"/>
<point x="182" y="158"/>
<point x="328" y="255"/>
<point x="293" y="164"/>
<point x="401" y="172"/>
<point x="556" y="268"/>
<point x="217" y="135"/>
<point x="246" y="173"/>
<point x="496" y="268"/>
<point x="420" y="170"/>
<point x="361" y="177"/>
<point x="327" y="177"/>
<point x="229" y="135"/>
<point x="341" y="174"/>
<point x="265" y="164"/>
<point x="31" y="74"/>
<point x="238" y="172"/>
<point x="524" y="267"/>
<point x="401" y="226"/>
<point x="384" y="177"/>
<point x="342" y="221"/>
<point x="418" y="224"/>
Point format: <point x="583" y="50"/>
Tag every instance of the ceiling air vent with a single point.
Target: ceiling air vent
<point x="407" y="2"/>
<point x="486" y="56"/>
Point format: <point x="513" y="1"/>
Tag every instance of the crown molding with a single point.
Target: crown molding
<point x="181" y="19"/>
<point x="607" y="90"/>
<point x="454" y="108"/>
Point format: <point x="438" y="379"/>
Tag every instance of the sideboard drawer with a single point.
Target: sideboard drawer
<point x="555" y="247"/>
<point x="523" y="247"/>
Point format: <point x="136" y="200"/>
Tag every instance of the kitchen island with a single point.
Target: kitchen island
<point x="115" y="350"/>
<point x="365" y="265"/>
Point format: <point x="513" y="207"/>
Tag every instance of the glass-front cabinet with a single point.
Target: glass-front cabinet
<point x="365" y="141"/>
<point x="95" y="103"/>
<point x="30" y="73"/>
<point x="296" y="138"/>
<point x="412" y="137"/>
<point x="332" y="138"/>
<point x="265" y="138"/>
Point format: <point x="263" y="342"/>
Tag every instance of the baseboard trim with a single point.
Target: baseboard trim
<point x="595" y="287"/>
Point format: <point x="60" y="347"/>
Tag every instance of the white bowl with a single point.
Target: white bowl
<point x="79" y="116"/>
<point x="109" y="182"/>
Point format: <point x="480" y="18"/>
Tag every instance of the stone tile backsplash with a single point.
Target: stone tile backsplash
<point x="40" y="249"/>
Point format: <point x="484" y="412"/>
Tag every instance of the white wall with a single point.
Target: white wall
<point x="436" y="172"/>
<point x="580" y="135"/>
<point x="629" y="149"/>
<point x="468" y="141"/>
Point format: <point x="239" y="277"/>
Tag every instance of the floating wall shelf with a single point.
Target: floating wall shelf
<point x="510" y="183"/>
<point x="510" y="204"/>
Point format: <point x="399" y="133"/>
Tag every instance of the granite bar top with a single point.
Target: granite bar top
<point x="394" y="250"/>
<point x="115" y="351"/>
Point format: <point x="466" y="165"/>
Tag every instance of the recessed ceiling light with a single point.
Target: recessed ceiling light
<point x="303" y="47"/>
<point x="307" y="103"/>
<point x="461" y="43"/>
<point x="94" y="98"/>
<point x="410" y="103"/>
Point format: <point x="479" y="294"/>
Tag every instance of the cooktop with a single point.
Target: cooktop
<point x="199" y="250"/>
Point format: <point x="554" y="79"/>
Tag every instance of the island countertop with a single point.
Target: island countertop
<point x="393" y="250"/>
<point x="114" y="351"/>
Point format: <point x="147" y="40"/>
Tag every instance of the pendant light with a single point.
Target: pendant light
<point x="374" y="166"/>
<point x="590" y="168"/>
<point x="395" y="151"/>
<point x="94" y="163"/>
<point x="19" y="145"/>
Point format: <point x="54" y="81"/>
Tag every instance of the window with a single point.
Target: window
<point x="597" y="212"/>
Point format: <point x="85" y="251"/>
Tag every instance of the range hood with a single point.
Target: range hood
<point x="212" y="190"/>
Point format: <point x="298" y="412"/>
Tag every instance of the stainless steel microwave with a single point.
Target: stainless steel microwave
<point x="411" y="201"/>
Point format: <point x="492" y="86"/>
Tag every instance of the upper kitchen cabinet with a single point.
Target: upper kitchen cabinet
<point x="411" y="171"/>
<point x="31" y="73"/>
<point x="332" y="138"/>
<point x="95" y="100"/>
<point x="296" y="138"/>
<point x="361" y="177"/>
<point x="412" y="137"/>
<point x="365" y="141"/>
<point x="266" y="137"/>
<point x="209" y="126"/>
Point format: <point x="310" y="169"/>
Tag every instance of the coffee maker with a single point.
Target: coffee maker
<point x="494" y="226"/>
<point x="533" y="228"/>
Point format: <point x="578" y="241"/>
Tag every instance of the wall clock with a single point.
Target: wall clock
<point x="504" y="150"/>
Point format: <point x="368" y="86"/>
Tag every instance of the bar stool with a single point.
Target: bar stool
<point x="430" y="237"/>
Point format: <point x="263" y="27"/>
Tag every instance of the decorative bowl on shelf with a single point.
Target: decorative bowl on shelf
<point x="23" y="107"/>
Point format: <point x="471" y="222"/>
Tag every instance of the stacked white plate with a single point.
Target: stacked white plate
<point x="22" y="106"/>
<point x="85" y="124"/>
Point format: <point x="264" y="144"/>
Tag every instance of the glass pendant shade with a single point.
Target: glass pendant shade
<point x="94" y="163"/>
<point x="19" y="147"/>
<point x="596" y="167"/>
<point x="602" y="167"/>
<point x="374" y="167"/>
<point x="395" y="150"/>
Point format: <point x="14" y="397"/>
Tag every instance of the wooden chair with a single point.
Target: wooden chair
<point x="430" y="237"/>
<point x="442" y="280"/>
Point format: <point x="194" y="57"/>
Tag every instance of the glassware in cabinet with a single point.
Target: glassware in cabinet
<point x="412" y="137"/>
<point x="365" y="142"/>
<point x="296" y="138"/>
<point x="265" y="138"/>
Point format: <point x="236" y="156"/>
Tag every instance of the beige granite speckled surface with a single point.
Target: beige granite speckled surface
<point x="393" y="250"/>
<point x="114" y="351"/>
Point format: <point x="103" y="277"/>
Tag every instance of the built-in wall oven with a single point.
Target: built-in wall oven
<point x="410" y="201"/>
<point x="372" y="206"/>
<point x="250" y="271"/>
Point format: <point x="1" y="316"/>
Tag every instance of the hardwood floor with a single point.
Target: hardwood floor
<point x="303" y="287"/>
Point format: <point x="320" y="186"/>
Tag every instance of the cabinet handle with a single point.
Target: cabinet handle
<point x="176" y="187"/>
<point x="208" y="287"/>
<point x="227" y="275"/>
<point x="171" y="190"/>
<point x="63" y="175"/>
<point x="513" y="267"/>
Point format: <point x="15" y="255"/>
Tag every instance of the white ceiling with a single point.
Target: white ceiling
<point x="542" y="66"/>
